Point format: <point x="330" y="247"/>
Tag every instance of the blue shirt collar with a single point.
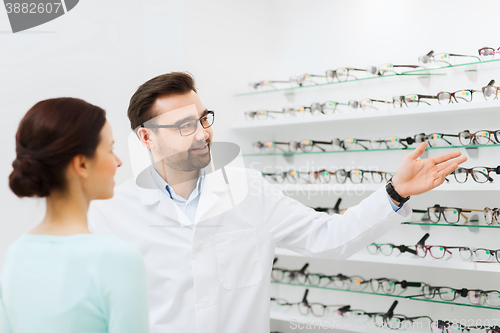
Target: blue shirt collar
<point x="167" y="189"/>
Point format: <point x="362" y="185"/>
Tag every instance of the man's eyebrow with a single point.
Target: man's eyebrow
<point x="183" y="120"/>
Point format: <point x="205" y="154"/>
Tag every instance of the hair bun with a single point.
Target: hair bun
<point x="29" y="177"/>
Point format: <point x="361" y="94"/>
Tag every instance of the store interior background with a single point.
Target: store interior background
<point x="102" y="51"/>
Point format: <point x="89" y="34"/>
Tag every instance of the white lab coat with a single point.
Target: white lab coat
<point x="213" y="276"/>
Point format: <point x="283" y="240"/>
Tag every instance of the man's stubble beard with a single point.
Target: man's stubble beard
<point x="186" y="161"/>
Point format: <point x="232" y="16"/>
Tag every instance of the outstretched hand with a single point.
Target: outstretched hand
<point x="419" y="176"/>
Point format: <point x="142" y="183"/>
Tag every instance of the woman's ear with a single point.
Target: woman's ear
<point x="145" y="136"/>
<point x="80" y="165"/>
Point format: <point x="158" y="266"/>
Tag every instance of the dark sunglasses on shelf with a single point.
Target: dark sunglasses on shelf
<point x="431" y="57"/>
<point x="478" y="174"/>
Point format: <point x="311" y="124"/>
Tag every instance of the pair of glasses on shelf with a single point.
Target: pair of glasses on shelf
<point x="331" y="210"/>
<point x="366" y="104"/>
<point x="488" y="53"/>
<point x="450" y="215"/>
<point x="387" y="249"/>
<point x="481" y="254"/>
<point x="478" y="174"/>
<point x="445" y="326"/>
<point x="482" y="137"/>
<point x="305" y="307"/>
<point x="328" y="107"/>
<point x="489" y="92"/>
<point x="305" y="146"/>
<point x="442" y="58"/>
<point x="474" y="296"/>
<point x="492" y="215"/>
<point x="385" y="320"/>
<point x="388" y="286"/>
<point x="302" y="276"/>
<point x="356" y="176"/>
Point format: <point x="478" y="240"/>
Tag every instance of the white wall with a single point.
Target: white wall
<point x="102" y="51"/>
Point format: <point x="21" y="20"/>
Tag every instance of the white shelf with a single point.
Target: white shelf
<point x="330" y="322"/>
<point x="362" y="188"/>
<point x="456" y="109"/>
<point x="411" y="261"/>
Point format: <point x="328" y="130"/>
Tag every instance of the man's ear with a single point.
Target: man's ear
<point x="145" y="136"/>
<point x="80" y="165"/>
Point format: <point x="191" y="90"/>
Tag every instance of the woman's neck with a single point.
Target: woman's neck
<point x="66" y="214"/>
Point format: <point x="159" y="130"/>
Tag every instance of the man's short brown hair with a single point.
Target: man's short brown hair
<point x="140" y="109"/>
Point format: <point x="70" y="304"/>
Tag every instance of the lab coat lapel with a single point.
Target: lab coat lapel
<point x="151" y="194"/>
<point x="213" y="191"/>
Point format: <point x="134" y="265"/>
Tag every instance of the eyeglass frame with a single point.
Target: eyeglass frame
<point x="470" y="171"/>
<point x="196" y="121"/>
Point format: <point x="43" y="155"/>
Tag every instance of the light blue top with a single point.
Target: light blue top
<point x="188" y="206"/>
<point x="84" y="283"/>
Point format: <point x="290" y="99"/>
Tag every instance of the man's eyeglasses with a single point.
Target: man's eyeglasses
<point x="442" y="57"/>
<point x="189" y="127"/>
<point x="479" y="174"/>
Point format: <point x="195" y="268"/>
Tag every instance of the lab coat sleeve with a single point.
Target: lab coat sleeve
<point x="316" y="234"/>
<point x="123" y="289"/>
<point x="4" y="320"/>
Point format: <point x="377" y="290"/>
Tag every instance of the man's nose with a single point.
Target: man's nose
<point x="201" y="133"/>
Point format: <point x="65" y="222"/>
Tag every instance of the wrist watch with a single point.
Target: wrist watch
<point x="394" y="195"/>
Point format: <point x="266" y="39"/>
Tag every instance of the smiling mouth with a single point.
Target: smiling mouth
<point x="200" y="148"/>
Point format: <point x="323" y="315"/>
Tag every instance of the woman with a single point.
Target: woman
<point x="60" y="278"/>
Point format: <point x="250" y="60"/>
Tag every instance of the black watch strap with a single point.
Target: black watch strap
<point x="395" y="195"/>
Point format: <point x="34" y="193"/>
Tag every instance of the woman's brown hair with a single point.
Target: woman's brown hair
<point x="51" y="133"/>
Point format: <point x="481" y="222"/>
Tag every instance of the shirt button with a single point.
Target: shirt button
<point x="189" y="203"/>
<point x="198" y="248"/>
<point x="205" y="305"/>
